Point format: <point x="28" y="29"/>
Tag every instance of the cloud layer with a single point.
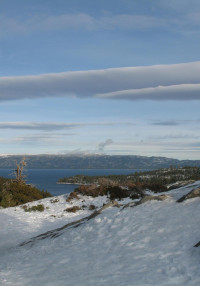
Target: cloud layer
<point x="38" y="126"/>
<point x="55" y="126"/>
<point x="79" y="21"/>
<point x="105" y="21"/>
<point x="161" y="82"/>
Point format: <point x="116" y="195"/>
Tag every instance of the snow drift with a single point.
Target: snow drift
<point x="149" y="244"/>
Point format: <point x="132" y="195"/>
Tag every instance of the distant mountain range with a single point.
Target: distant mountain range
<point x="93" y="162"/>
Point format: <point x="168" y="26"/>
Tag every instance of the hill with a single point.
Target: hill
<point x="93" y="162"/>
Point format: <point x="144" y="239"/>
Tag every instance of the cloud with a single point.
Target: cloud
<point x="173" y="92"/>
<point x="160" y="82"/>
<point x="181" y="5"/>
<point x="39" y="126"/>
<point x="168" y="123"/>
<point x="174" y="122"/>
<point x="44" y="23"/>
<point x="55" y="126"/>
<point x="62" y="22"/>
<point x="78" y="21"/>
<point x="102" y="145"/>
<point x="10" y="25"/>
<point x="171" y="137"/>
<point x="130" y="22"/>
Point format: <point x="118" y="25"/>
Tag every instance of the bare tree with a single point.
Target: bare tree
<point x="19" y="176"/>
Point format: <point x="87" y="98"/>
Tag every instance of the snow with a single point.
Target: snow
<point x="150" y="244"/>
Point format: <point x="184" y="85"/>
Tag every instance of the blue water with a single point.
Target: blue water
<point x="45" y="179"/>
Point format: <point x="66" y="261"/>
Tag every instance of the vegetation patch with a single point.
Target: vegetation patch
<point x="113" y="192"/>
<point x="14" y="194"/>
<point x="92" y="207"/>
<point x="91" y="190"/>
<point x="133" y="185"/>
<point x="72" y="196"/>
<point x="38" y="208"/>
<point x="73" y="209"/>
<point x="164" y="176"/>
<point x="117" y="192"/>
<point x="53" y="201"/>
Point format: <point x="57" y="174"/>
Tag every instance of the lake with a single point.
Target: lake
<point x="45" y="179"/>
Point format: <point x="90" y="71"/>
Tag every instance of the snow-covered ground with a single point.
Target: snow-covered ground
<point x="149" y="244"/>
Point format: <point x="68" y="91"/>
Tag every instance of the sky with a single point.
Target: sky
<point x="117" y="77"/>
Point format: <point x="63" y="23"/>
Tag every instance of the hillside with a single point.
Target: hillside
<point x="139" y="243"/>
<point x="164" y="176"/>
<point x="93" y="162"/>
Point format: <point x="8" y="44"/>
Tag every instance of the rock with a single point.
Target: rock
<point x="193" y="194"/>
<point x="151" y="198"/>
<point x="131" y="204"/>
<point x="197" y="245"/>
<point x="112" y="203"/>
<point x="147" y="199"/>
<point x="179" y="184"/>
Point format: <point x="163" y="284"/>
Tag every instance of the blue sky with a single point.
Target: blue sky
<point x="108" y="77"/>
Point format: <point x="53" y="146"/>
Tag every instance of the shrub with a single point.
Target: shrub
<point x="6" y="200"/>
<point x="72" y="195"/>
<point x="92" y="207"/>
<point x="14" y="194"/>
<point x="117" y="193"/>
<point x="53" y="201"/>
<point x="156" y="187"/>
<point x="84" y="207"/>
<point x="73" y="209"/>
<point x="91" y="190"/>
<point x="39" y="208"/>
<point x="135" y="195"/>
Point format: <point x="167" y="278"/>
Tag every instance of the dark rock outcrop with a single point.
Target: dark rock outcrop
<point x="180" y="184"/>
<point x="193" y="194"/>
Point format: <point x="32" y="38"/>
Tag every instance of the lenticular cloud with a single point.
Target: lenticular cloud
<point x="161" y="82"/>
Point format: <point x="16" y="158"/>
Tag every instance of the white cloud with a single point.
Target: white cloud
<point x="173" y="92"/>
<point x="161" y="82"/>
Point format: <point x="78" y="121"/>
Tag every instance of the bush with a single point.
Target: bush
<point x="72" y="195"/>
<point x="39" y="208"/>
<point x="91" y="190"/>
<point x="92" y="207"/>
<point x="117" y="193"/>
<point x="53" y="201"/>
<point x="73" y="209"/>
<point x="132" y="190"/>
<point x="6" y="200"/>
<point x="135" y="195"/>
<point x="14" y="194"/>
<point x="156" y="187"/>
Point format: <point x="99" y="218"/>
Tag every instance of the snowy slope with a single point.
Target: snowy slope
<point x="150" y="244"/>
